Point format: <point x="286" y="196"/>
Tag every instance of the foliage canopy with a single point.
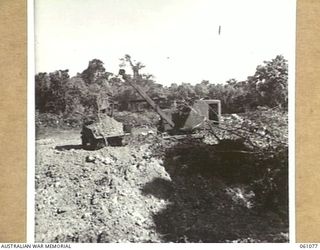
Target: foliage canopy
<point x="57" y="93"/>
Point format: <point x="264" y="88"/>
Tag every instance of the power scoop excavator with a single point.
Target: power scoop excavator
<point x="108" y="131"/>
<point x="181" y="120"/>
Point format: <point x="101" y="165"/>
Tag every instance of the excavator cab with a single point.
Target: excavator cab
<point x="183" y="119"/>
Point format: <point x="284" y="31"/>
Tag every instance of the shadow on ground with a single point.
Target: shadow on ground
<point x="201" y="209"/>
<point x="68" y="147"/>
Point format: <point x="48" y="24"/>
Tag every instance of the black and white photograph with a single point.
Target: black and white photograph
<point x="163" y="121"/>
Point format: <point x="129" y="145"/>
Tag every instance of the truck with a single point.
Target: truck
<point x="176" y="120"/>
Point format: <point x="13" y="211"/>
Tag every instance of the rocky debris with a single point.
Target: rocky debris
<point x="99" y="158"/>
<point x="100" y="191"/>
<point x="90" y="158"/>
<point x="262" y="128"/>
<point x="106" y="126"/>
<point x="153" y="189"/>
<point x="45" y="141"/>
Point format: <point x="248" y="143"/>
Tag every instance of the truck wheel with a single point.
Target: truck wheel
<point x="100" y="143"/>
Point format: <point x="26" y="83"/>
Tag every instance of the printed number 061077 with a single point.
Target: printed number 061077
<point x="309" y="245"/>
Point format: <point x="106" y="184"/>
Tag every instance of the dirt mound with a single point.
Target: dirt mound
<point x="165" y="189"/>
<point x="96" y="201"/>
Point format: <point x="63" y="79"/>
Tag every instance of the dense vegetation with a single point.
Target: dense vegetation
<point x="81" y="95"/>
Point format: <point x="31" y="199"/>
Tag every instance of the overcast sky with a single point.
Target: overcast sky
<point x="177" y="40"/>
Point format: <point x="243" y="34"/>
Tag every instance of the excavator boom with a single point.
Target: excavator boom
<point x="144" y="95"/>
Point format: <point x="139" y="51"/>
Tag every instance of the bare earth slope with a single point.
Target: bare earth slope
<point x="146" y="191"/>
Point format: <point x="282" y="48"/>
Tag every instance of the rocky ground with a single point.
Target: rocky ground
<point x="153" y="189"/>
